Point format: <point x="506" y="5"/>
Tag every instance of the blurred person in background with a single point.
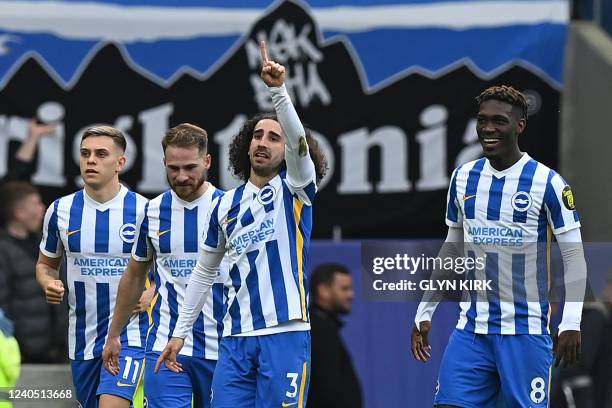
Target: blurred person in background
<point x="10" y="360"/>
<point x="333" y="382"/>
<point x="586" y="384"/>
<point x="22" y="163"/>
<point x="22" y="213"/>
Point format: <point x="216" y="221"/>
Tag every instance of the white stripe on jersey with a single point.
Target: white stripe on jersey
<point x="505" y="214"/>
<point x="170" y="233"/>
<point x="97" y="240"/>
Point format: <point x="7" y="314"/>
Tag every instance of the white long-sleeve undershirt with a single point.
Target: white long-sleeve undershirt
<point x="574" y="277"/>
<point x="300" y="168"/>
<point x="431" y="299"/>
<point x="201" y="280"/>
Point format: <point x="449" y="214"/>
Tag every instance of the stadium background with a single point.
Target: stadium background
<point x="388" y="86"/>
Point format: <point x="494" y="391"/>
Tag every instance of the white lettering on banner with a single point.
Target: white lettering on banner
<point x="303" y="82"/>
<point x="393" y="158"/>
<point x="432" y="143"/>
<point x="473" y="150"/>
<point x="50" y="172"/>
<point x="154" y="124"/>
<point x="353" y="148"/>
<point x="11" y="128"/>
<point x="283" y="45"/>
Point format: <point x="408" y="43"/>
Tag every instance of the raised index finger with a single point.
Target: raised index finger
<point x="263" y="49"/>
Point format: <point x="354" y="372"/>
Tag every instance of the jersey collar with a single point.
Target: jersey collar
<point x="274" y="182"/>
<point x="210" y="189"/>
<point x="516" y="167"/>
<point x="103" y="206"/>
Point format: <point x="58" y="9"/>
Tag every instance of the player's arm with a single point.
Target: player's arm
<point x="565" y="223"/>
<point x="300" y="167"/>
<point x="50" y="257"/>
<point x="204" y="274"/>
<point x="202" y="277"/>
<point x="129" y="292"/>
<point x="568" y="344"/>
<point x="145" y="298"/>
<point x="452" y="248"/>
<point x="47" y="275"/>
<point x="201" y="280"/>
<point x="131" y="286"/>
<point x="128" y="295"/>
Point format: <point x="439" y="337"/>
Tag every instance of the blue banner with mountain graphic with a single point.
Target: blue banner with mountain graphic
<point x="387" y="86"/>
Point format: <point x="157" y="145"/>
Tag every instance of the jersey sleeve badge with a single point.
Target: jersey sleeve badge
<point x="568" y="198"/>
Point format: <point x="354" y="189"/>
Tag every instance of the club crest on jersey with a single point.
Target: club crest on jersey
<point x="266" y="195"/>
<point x="128" y="233"/>
<point x="521" y="201"/>
<point x="568" y="198"/>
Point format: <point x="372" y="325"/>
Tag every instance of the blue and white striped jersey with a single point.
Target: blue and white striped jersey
<point x="97" y="240"/>
<point x="170" y="232"/>
<point x="265" y="234"/>
<point x="508" y="217"/>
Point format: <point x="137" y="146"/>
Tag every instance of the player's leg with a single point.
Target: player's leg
<point x="117" y="391"/>
<point x="235" y="379"/>
<point x="468" y="377"/>
<point x="113" y="401"/>
<point x="201" y="374"/>
<point x="524" y="363"/>
<point x="86" y="377"/>
<point x="138" y="401"/>
<point x="284" y="370"/>
<point x="167" y="389"/>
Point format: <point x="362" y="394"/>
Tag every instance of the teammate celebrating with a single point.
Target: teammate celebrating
<point x="502" y="207"/>
<point x="263" y="227"/>
<point x="95" y="228"/>
<point x="172" y="226"/>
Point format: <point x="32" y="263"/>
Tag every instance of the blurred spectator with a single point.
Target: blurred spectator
<point x="333" y="380"/>
<point x="10" y="361"/>
<point x="21" y="214"/>
<point x="22" y="164"/>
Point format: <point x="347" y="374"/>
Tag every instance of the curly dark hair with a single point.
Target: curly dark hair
<point x="240" y="164"/>
<point x="506" y="94"/>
